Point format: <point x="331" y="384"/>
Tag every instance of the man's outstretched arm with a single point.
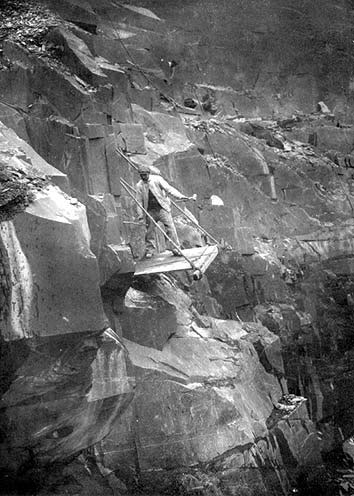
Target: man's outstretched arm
<point x="173" y="191"/>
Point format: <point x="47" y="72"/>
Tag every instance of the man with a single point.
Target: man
<point x="152" y="191"/>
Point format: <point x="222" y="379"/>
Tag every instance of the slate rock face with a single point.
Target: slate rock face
<point x="16" y="153"/>
<point x="202" y="398"/>
<point x="59" y="396"/>
<point x="63" y="377"/>
<point x="40" y="251"/>
<point x="248" y="61"/>
<point x="146" y="320"/>
<point x="77" y="55"/>
<point x="195" y="400"/>
<point x="45" y="252"/>
<point x="206" y="414"/>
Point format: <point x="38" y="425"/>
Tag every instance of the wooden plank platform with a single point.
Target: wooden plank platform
<point x="167" y="262"/>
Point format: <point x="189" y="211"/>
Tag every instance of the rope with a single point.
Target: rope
<point x="127" y="188"/>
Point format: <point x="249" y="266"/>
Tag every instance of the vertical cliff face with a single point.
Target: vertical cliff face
<point x="162" y="384"/>
<point x="260" y="58"/>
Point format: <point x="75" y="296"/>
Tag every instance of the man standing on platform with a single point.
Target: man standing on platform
<point x="152" y="194"/>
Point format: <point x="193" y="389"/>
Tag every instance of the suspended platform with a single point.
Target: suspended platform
<point x="201" y="258"/>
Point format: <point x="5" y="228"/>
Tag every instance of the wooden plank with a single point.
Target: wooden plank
<point x="167" y="262"/>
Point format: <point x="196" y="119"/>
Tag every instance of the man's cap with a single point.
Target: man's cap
<point x="143" y="169"/>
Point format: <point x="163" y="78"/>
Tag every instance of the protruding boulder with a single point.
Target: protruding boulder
<point x="148" y="320"/>
<point x="51" y="269"/>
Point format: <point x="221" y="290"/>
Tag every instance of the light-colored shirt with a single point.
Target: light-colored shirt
<point x="160" y="189"/>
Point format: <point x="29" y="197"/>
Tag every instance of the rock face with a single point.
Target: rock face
<point x="47" y="381"/>
<point x="200" y="400"/>
<point x="256" y="58"/>
<point x="164" y="384"/>
<point x="58" y="368"/>
<point x="45" y="252"/>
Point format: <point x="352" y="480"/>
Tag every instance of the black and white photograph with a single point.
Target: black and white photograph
<point x="176" y="247"/>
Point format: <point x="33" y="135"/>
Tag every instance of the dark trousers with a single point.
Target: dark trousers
<point x="160" y="215"/>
